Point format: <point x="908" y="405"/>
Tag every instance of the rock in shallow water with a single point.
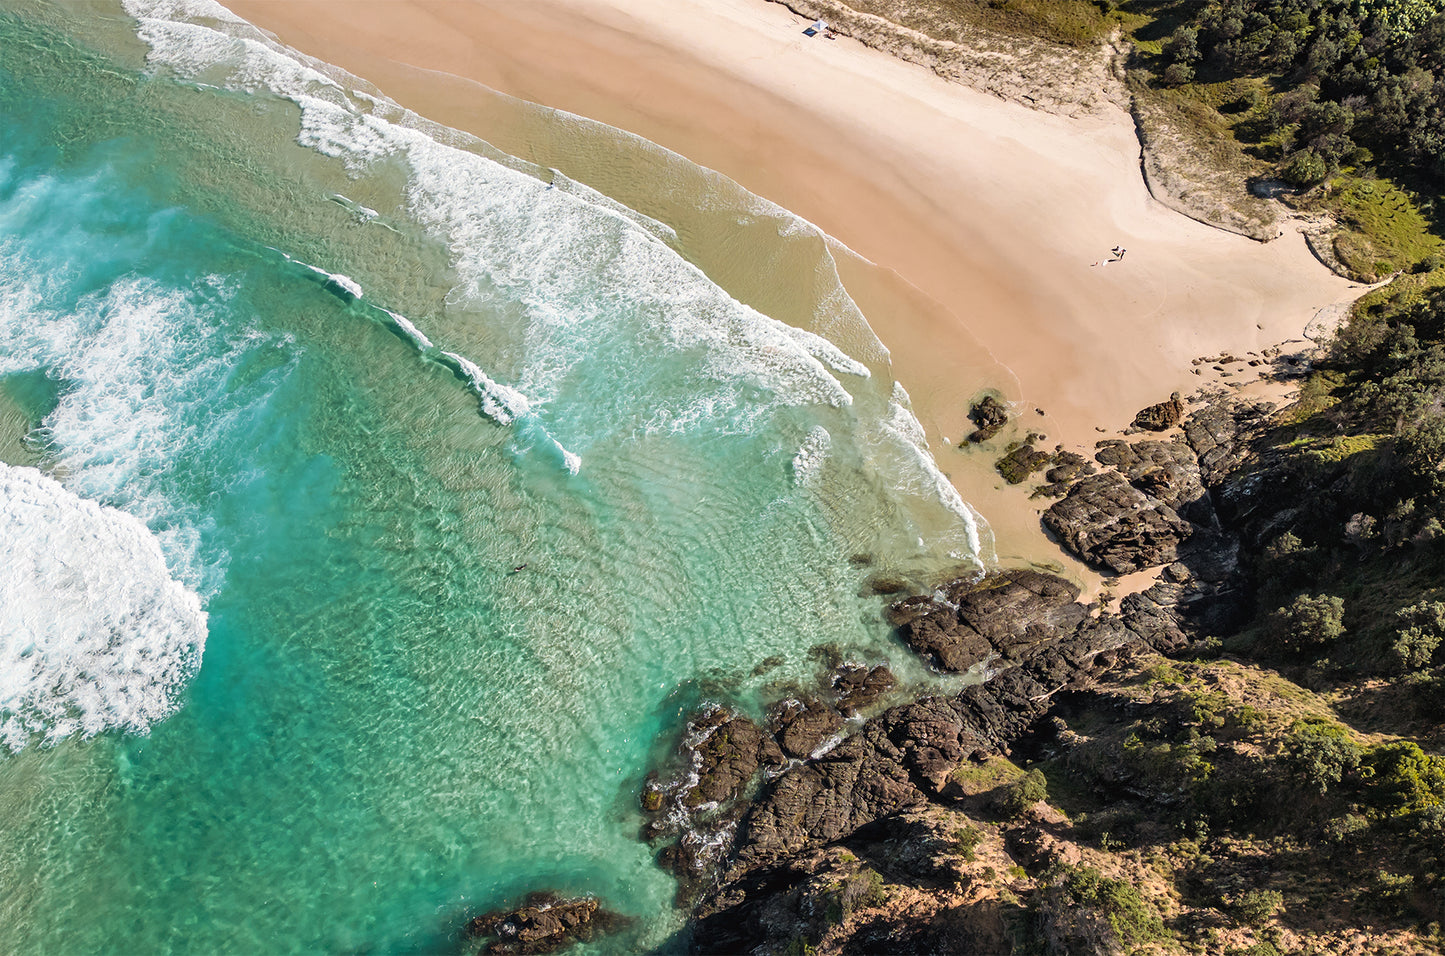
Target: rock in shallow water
<point x="990" y="415"/>
<point x="859" y="687"/>
<point x="974" y="621"/>
<point x="801" y="726"/>
<point x="545" y="923"/>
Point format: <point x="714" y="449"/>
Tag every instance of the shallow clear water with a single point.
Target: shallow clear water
<point x="379" y="724"/>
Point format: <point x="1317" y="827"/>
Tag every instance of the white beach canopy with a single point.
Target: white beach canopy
<point x="818" y="27"/>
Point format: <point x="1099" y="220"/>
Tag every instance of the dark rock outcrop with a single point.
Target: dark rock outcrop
<point x="1021" y="462"/>
<point x="1161" y="417"/>
<point x="1167" y="471"/>
<point x="729" y="750"/>
<point x="889" y="795"/>
<point x="859" y="687"/>
<point x="901" y="763"/>
<point x="1219" y="433"/>
<point x="803" y="896"/>
<point x="1042" y="640"/>
<point x="990" y="416"/>
<point x="801" y="727"/>
<point x="1109" y="523"/>
<point x="1000" y="615"/>
<point x="545" y="923"/>
<point x="1069" y="466"/>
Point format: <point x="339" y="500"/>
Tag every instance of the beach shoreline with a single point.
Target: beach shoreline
<point x="979" y="225"/>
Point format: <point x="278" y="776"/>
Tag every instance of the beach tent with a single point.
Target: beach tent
<point x="818" y="27"/>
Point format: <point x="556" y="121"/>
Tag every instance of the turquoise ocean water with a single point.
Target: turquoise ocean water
<point x="291" y="381"/>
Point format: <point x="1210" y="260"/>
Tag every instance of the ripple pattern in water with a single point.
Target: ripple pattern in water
<point x="350" y="372"/>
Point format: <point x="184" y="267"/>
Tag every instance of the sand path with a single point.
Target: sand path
<point x="992" y="212"/>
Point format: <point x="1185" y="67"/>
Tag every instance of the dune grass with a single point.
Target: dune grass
<point x="1382" y="231"/>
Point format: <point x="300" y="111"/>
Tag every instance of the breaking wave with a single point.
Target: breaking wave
<point x="95" y="633"/>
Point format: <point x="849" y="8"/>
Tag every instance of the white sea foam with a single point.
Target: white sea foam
<point x="341" y="282"/>
<point x="811" y="455"/>
<point x="94" y="632"/>
<point x="901" y="431"/>
<point x="508" y="234"/>
<point x="362" y="213"/>
<point x="146" y="378"/>
<point x="410" y="331"/>
<point x="190" y="9"/>
<point x="570" y="460"/>
<point x="573" y="262"/>
<point x="501" y="403"/>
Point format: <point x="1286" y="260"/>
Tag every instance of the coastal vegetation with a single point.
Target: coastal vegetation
<point x="1338" y="101"/>
<point x="1333" y="107"/>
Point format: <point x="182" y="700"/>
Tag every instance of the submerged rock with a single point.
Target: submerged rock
<point x="859" y="687"/>
<point x="545" y="923"/>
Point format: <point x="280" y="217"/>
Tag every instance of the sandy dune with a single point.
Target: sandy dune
<point x="995" y="213"/>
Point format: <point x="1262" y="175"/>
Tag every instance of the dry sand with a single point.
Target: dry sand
<point x="981" y="220"/>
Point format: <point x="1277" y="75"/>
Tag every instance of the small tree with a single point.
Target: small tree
<point x="1423" y="627"/>
<point x="1422" y="449"/>
<point x="1320" y="754"/>
<point x="1305" y="168"/>
<point x="1256" y="907"/>
<point x="1177" y="74"/>
<point x="1310" y="624"/>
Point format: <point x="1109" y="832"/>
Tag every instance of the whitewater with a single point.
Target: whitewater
<point x="375" y="505"/>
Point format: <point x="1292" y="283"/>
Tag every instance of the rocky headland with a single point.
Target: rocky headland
<point x="1066" y="803"/>
<point x="784" y="832"/>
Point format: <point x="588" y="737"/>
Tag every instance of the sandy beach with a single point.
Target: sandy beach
<point x="982" y="223"/>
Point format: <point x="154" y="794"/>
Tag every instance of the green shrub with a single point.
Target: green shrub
<point x="1391" y="892"/>
<point x="1024" y="793"/>
<point x="1320" y="754"/>
<point x="1422" y="450"/>
<point x="966" y="840"/>
<point x="1305" y="168"/>
<point x="799" y="946"/>
<point x="1257" y="907"/>
<point x="863" y="889"/>
<point x="1309" y="625"/>
<point x="1423" y="626"/>
<point x="1177" y="74"/>
<point x="1346" y="829"/>
<point x="1130" y="916"/>
<point x="1262" y="948"/>
<point x="1401" y="780"/>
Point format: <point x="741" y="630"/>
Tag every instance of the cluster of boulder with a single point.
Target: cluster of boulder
<point x="790" y="802"/>
<point x="544" y="923"/>
<point x="764" y="821"/>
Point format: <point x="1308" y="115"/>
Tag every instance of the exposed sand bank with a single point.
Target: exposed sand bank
<point x="983" y="218"/>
